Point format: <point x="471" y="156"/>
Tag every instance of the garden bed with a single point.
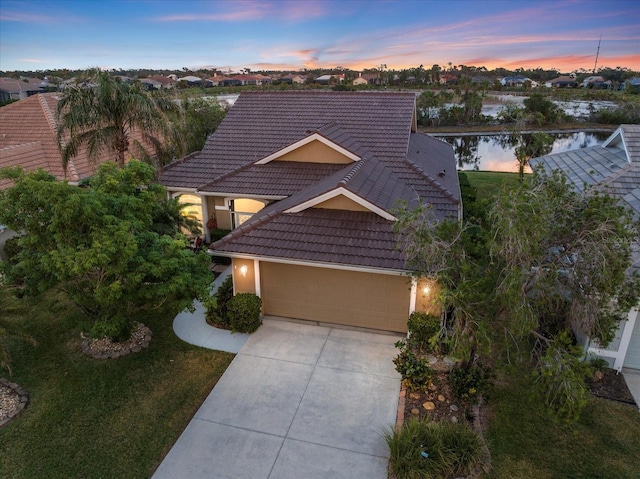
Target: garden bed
<point x="609" y="384"/>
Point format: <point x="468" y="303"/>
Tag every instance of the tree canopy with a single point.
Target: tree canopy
<point x="101" y="112"/>
<point x="543" y="262"/>
<point x="114" y="247"/>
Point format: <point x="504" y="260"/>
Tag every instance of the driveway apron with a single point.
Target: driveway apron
<point x="298" y="401"/>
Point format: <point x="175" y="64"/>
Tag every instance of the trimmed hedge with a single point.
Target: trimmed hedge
<point x="243" y="312"/>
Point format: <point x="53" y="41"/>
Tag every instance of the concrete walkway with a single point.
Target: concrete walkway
<point x="632" y="378"/>
<point x="298" y="401"/>
<point x="194" y="329"/>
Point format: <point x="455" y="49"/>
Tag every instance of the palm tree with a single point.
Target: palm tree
<point x="101" y="112"/>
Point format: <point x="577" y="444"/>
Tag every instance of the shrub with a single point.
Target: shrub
<point x="424" y="331"/>
<point x="218" y="233"/>
<point x="217" y="305"/>
<point x="12" y="248"/>
<point x="244" y="313"/>
<point x="469" y="383"/>
<point x="415" y="370"/>
<point x="423" y="449"/>
<point x="561" y="378"/>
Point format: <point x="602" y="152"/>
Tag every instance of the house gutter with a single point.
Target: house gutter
<point x="317" y="264"/>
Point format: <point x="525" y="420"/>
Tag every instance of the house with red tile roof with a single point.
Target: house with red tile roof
<point x="28" y="140"/>
<point x="308" y="182"/>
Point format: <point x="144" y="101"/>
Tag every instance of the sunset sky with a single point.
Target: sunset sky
<point x="283" y="34"/>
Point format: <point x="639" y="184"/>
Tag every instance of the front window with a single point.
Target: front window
<point x="242" y="209"/>
<point x="193" y="208"/>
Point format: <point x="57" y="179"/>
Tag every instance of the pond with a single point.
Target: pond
<point x="496" y="152"/>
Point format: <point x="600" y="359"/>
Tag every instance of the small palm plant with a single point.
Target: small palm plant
<point x="11" y="311"/>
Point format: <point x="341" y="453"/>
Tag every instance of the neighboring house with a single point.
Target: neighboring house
<point x="615" y="167"/>
<point x="561" y="82"/>
<point x="326" y="79"/>
<point x="191" y="80"/>
<point x="18" y="89"/>
<point x="596" y="82"/>
<point x="293" y="79"/>
<point x="518" y="81"/>
<point x="166" y="82"/>
<point x="28" y="140"/>
<point x="151" y="84"/>
<point x="309" y="182"/>
<point x="360" y="81"/>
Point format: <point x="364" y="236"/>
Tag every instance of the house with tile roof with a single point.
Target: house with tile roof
<point x="308" y="182"/>
<point x="613" y="167"/>
<point x="20" y="88"/>
<point x="28" y="140"/>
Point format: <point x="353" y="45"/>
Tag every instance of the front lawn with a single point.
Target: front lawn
<point x="104" y="419"/>
<point x="525" y="443"/>
<point x="487" y="183"/>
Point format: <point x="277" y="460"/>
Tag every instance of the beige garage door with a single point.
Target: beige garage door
<point x="377" y="301"/>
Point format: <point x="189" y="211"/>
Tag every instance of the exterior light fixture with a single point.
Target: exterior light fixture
<point x="243" y="270"/>
<point x="426" y="290"/>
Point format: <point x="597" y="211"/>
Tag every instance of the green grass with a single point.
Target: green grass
<point x="487" y="183"/>
<point x="525" y="443"/>
<point x="101" y="419"/>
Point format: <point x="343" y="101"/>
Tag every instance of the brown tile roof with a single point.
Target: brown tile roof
<point x="319" y="235"/>
<point x="262" y="123"/>
<point x="276" y="178"/>
<point x="29" y="125"/>
<point x="394" y="164"/>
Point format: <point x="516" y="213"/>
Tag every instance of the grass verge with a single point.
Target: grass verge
<point x="104" y="419"/>
<point x="487" y="183"/>
<point x="525" y="443"/>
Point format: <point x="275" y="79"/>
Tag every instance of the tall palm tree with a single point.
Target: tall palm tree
<point x="101" y="112"/>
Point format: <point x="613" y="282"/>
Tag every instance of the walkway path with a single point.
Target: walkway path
<point x="194" y="329"/>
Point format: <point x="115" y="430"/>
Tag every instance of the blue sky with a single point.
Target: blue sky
<point x="283" y="34"/>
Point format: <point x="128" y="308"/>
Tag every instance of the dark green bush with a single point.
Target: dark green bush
<point x="243" y="312"/>
<point x="425" y="331"/>
<point x="469" y="383"/>
<point x="11" y="248"/>
<point x="216" y="306"/>
<point x="451" y="450"/>
<point x="415" y="370"/>
<point x="218" y="233"/>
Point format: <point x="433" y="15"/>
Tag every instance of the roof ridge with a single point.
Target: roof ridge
<point x="48" y="114"/>
<point x="352" y="172"/>
<point x="434" y="182"/>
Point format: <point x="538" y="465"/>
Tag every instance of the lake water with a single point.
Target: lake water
<point x="495" y="153"/>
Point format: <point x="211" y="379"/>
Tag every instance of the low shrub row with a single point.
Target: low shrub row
<point x="239" y="313"/>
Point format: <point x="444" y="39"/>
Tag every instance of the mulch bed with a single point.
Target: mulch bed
<point x="106" y="348"/>
<point x="610" y="385"/>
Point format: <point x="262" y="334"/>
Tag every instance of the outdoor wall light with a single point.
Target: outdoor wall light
<point x="426" y="290"/>
<point x="243" y="270"/>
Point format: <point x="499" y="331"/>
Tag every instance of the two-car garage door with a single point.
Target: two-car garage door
<point x="367" y="300"/>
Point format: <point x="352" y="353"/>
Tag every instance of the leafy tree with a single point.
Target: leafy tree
<point x="544" y="259"/>
<point x="109" y="246"/>
<point x="530" y="146"/>
<point x="541" y="110"/>
<point x="101" y="113"/>
<point x="198" y="119"/>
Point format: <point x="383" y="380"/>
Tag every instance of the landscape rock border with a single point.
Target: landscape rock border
<point x="23" y="400"/>
<point x="105" y="348"/>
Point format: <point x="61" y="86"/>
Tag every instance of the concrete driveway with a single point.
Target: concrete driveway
<point x="297" y="401"/>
